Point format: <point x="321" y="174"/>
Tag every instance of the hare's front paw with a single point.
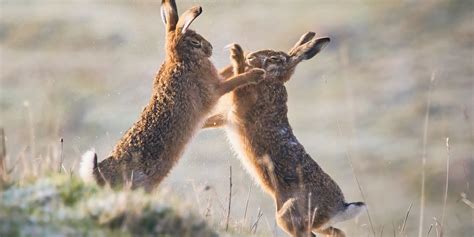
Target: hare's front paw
<point x="256" y="75"/>
<point x="236" y="52"/>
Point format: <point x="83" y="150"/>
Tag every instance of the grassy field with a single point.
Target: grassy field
<point x="396" y="81"/>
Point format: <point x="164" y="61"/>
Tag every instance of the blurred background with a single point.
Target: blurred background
<point x="83" y="70"/>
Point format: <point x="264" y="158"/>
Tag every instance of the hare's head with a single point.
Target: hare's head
<point x="181" y="42"/>
<point x="280" y="65"/>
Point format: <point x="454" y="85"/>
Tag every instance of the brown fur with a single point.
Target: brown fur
<point x="185" y="90"/>
<point x="266" y="141"/>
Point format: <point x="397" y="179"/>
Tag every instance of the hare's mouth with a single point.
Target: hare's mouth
<point x="208" y="52"/>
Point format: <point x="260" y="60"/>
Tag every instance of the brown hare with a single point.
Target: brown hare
<point x="307" y="199"/>
<point x="185" y="90"/>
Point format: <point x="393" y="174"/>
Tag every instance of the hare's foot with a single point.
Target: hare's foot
<point x="331" y="232"/>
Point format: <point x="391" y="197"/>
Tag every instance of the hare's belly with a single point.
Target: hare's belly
<point x="240" y="148"/>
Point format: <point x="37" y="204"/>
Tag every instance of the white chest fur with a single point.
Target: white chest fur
<point x="241" y="146"/>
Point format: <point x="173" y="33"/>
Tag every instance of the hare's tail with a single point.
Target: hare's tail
<point x="349" y="211"/>
<point x="87" y="166"/>
<point x="353" y="210"/>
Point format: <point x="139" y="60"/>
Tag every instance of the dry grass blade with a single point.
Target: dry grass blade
<point x="230" y="200"/>
<point x="437" y="227"/>
<point x="247" y="202"/>
<point x="423" y="157"/>
<point x="254" y="226"/>
<point x="207" y="214"/>
<point x="402" y="230"/>
<point x="357" y="182"/>
<point x="467" y="201"/>
<point x="312" y="218"/>
<point x="310" y="221"/>
<point x="31" y="129"/>
<point x="3" y="157"/>
<point x="429" y="230"/>
<point x="394" y="230"/>
<point x="445" y="200"/>
<point x="61" y="156"/>
<point x="25" y="168"/>
<point x="196" y="194"/>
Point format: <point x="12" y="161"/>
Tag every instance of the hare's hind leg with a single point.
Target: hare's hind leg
<point x="291" y="221"/>
<point x="331" y="231"/>
<point x="293" y="229"/>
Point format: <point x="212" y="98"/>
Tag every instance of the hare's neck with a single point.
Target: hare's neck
<point x="187" y="63"/>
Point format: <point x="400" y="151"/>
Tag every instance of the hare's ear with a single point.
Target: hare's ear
<point x="308" y="49"/>
<point x="187" y="18"/>
<point x="169" y="14"/>
<point x="303" y="39"/>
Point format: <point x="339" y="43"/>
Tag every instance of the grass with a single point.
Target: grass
<point x="445" y="198"/>
<point x="61" y="204"/>
<point x="423" y="157"/>
<point x="45" y="201"/>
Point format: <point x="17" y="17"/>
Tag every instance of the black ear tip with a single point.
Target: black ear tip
<point x="322" y="42"/>
<point x="309" y="34"/>
<point x="95" y="160"/>
<point x="198" y="10"/>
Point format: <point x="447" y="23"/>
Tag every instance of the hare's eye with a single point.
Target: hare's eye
<point x="274" y="59"/>
<point x="196" y="43"/>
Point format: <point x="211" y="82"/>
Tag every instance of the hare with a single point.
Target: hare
<point x="185" y="90"/>
<point x="307" y="199"/>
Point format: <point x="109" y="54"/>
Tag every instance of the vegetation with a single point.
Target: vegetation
<point x="61" y="205"/>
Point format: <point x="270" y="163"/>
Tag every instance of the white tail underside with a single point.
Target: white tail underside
<point x="86" y="168"/>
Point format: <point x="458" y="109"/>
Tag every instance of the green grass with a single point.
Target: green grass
<point x="63" y="205"/>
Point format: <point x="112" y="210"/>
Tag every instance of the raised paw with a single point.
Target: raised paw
<point x="256" y="74"/>
<point x="237" y="58"/>
<point x="236" y="52"/>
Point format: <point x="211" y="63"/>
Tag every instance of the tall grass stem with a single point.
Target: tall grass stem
<point x="3" y="157"/>
<point x="349" y="158"/>
<point x="445" y="199"/>
<point x="230" y="200"/>
<point x="423" y="157"/>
